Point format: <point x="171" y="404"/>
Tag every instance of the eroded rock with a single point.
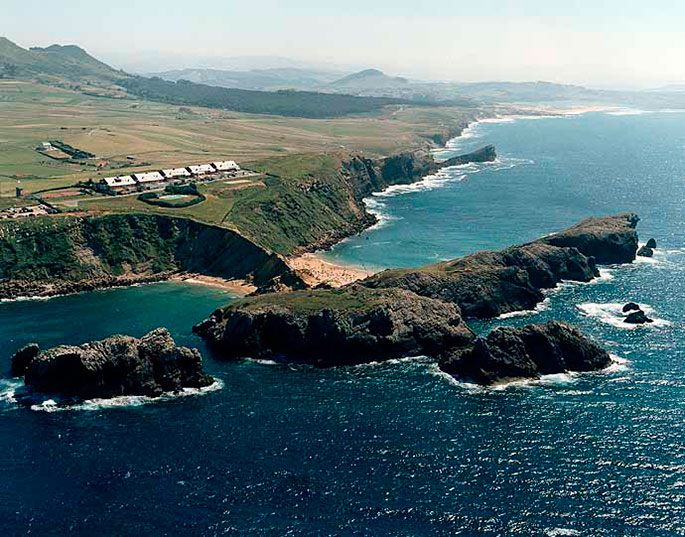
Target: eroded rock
<point x="117" y="365"/>
<point x="510" y="353"/>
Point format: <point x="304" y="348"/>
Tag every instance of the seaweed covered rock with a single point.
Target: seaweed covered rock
<point x="510" y="353"/>
<point x="330" y="327"/>
<point x="117" y="365"/>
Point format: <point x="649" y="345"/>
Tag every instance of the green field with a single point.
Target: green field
<point x="164" y="135"/>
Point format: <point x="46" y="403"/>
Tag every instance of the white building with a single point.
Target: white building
<point x="175" y="173"/>
<point x="149" y="177"/>
<point x="122" y="182"/>
<point x="226" y="166"/>
<point x="201" y="169"/>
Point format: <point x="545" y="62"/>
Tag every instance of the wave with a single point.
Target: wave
<point x="28" y="298"/>
<point x="53" y="405"/>
<point x="612" y="314"/>
<point x="260" y="361"/>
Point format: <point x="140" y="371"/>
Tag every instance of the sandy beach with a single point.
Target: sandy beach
<point x="239" y="287"/>
<point x="314" y="270"/>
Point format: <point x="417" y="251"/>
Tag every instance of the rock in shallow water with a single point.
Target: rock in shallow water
<point x="637" y="317"/>
<point x="510" y="353"/>
<point x="117" y="365"/>
<point x="631" y="306"/>
<point x="645" y="251"/>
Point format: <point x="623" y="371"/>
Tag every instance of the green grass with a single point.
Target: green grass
<point x="313" y="301"/>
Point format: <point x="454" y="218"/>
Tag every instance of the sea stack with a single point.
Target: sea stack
<point x="117" y="365"/>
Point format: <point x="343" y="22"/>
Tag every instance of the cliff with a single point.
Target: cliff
<point x="488" y="284"/>
<point x="512" y="353"/>
<point x="115" y="366"/>
<point x="66" y="254"/>
<point x="335" y="327"/>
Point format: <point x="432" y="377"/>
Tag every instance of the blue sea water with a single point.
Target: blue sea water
<point x="395" y="448"/>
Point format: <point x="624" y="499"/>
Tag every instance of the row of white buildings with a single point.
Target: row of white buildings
<point x="158" y="179"/>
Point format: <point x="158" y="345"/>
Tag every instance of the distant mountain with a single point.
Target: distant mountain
<point x="256" y="79"/>
<point x="56" y="62"/>
<point x="368" y="79"/>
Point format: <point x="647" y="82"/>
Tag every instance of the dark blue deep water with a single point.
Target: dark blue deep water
<point x="395" y="449"/>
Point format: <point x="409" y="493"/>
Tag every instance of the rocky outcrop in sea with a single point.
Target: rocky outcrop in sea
<point x="514" y="353"/>
<point x="117" y="365"/>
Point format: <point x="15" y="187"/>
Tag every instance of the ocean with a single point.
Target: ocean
<point x="394" y="448"/>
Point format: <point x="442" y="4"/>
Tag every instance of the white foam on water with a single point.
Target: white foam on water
<point x="612" y="314"/>
<point x="259" y="361"/>
<point x="28" y="298"/>
<point x="50" y="405"/>
<point x="542" y="306"/>
<point x="395" y="361"/>
<point x="561" y="532"/>
<point x="627" y="112"/>
<point x="618" y="364"/>
<point x="8" y="389"/>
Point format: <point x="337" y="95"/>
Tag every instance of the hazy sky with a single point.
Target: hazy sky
<point x="600" y="42"/>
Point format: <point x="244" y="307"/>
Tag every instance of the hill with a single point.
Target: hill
<point x="368" y="79"/>
<point x="285" y="103"/>
<point x="54" y="63"/>
<point x="73" y="67"/>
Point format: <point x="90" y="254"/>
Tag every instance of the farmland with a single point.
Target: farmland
<point x="159" y="135"/>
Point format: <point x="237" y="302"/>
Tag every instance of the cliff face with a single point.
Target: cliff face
<point x="117" y="365"/>
<point x="58" y="255"/>
<point x="335" y="327"/>
<point x="488" y="284"/>
<point x="374" y="175"/>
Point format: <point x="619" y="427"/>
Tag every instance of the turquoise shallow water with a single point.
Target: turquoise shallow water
<point x="395" y="448"/>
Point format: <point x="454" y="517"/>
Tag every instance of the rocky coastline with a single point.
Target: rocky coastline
<point x="419" y="311"/>
<point x="489" y="284"/>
